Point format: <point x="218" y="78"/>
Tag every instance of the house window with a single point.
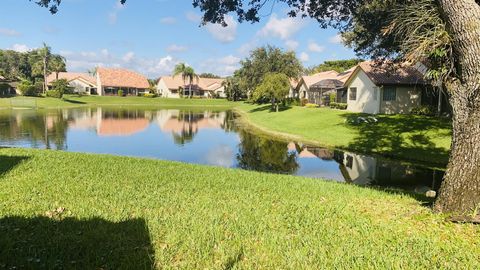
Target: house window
<point x="349" y="162"/>
<point x="389" y="93"/>
<point x="353" y="93"/>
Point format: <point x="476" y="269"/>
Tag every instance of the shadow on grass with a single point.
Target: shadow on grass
<point x="47" y="243"/>
<point x="7" y="163"/>
<point x="269" y="108"/>
<point x="74" y="101"/>
<point x="385" y="137"/>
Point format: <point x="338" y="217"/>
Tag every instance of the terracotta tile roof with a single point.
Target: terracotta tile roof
<point x="70" y="76"/>
<point x="387" y="73"/>
<point x="117" y="77"/>
<point x="209" y="84"/>
<point x="122" y="127"/>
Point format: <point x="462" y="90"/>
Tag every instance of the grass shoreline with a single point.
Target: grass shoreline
<point x="56" y="207"/>
<point x="398" y="137"/>
<point x="411" y="139"/>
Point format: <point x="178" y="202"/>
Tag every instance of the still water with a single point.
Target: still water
<point x="203" y="137"/>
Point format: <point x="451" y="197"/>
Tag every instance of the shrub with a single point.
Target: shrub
<point x="60" y="86"/>
<point x="54" y="94"/>
<point x="424" y="110"/>
<point x="120" y="93"/>
<point x="339" y="106"/>
<point x="333" y="97"/>
<point x="303" y="101"/>
<point x="149" y="95"/>
<point x="311" y="105"/>
<point x="28" y="89"/>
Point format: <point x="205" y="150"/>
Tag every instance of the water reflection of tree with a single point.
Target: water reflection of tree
<point x="189" y="120"/>
<point x="38" y="128"/>
<point x="263" y="154"/>
<point x="229" y="122"/>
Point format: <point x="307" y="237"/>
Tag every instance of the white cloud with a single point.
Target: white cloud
<point x="224" y="66"/>
<point x="337" y="39"/>
<point x="176" y="48"/>
<point x="168" y="20"/>
<point x="20" y="48"/>
<point x="281" y="28"/>
<point x="193" y="17"/>
<point x="224" y="34"/>
<point x="314" y="47"/>
<point x="9" y="32"/>
<point x="86" y="60"/>
<point x="229" y="60"/>
<point x="304" y="57"/>
<point x="128" y="57"/>
<point x="291" y="45"/>
<point x="222" y="155"/>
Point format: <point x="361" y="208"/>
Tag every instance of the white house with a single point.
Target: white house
<point x="81" y="83"/>
<point x="384" y="88"/>
<point x="175" y="87"/>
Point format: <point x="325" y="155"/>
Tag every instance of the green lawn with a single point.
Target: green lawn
<point x="69" y="210"/>
<point x="399" y="136"/>
<point x="77" y="101"/>
<point x="408" y="137"/>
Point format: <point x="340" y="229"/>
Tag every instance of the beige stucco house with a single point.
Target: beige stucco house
<point x="384" y="88"/>
<point x="81" y="83"/>
<point x="175" y="87"/>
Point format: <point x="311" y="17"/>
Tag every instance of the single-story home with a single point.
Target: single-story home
<point x="111" y="80"/>
<point x="175" y="87"/>
<point x="81" y="83"/>
<point x="383" y="88"/>
<point x="7" y="87"/>
<point x="317" y="88"/>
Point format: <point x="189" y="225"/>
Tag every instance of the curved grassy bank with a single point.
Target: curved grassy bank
<point x="94" y="211"/>
<point x="408" y="137"/>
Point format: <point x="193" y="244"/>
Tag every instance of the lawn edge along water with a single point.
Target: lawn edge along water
<point x="102" y="211"/>
<point x="245" y="119"/>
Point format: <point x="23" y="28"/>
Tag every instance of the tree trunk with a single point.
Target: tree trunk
<point x="460" y="191"/>
<point x="440" y="95"/>
<point x="45" y="85"/>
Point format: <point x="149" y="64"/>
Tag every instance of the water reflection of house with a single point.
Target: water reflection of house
<point x="112" y="122"/>
<point x="365" y="170"/>
<point x="177" y="121"/>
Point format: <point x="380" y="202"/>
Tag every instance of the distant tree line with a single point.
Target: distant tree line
<point x="337" y="65"/>
<point x="29" y="65"/>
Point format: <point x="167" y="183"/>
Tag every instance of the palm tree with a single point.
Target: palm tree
<point x="188" y="73"/>
<point x="57" y="65"/>
<point x="92" y="72"/>
<point x="44" y="54"/>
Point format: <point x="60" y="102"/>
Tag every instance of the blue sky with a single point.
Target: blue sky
<point x="151" y="36"/>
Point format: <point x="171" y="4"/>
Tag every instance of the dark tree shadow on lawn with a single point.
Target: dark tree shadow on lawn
<point x="7" y="163"/>
<point x="53" y="243"/>
<point x="74" y="101"/>
<point x="269" y="108"/>
<point x="385" y="137"/>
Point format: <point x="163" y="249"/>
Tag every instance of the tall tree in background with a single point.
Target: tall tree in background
<point x="274" y="87"/>
<point x="337" y="65"/>
<point x="265" y="60"/>
<point x="57" y="64"/>
<point x="188" y="74"/>
<point x="41" y="60"/>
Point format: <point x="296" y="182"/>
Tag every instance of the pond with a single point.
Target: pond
<point x="204" y="137"/>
